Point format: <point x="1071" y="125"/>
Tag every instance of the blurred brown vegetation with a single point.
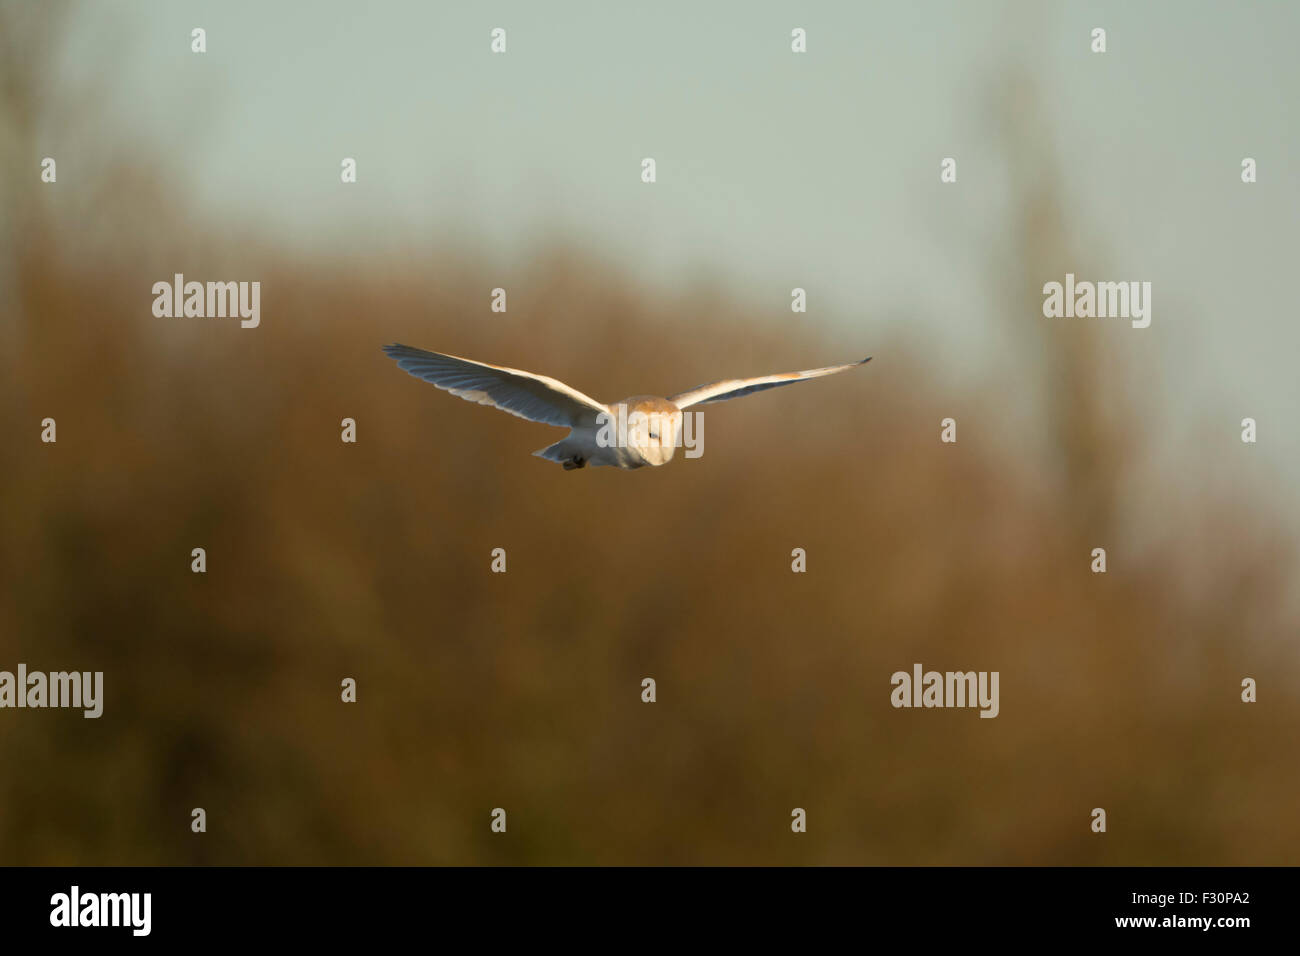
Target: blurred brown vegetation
<point x="521" y="690"/>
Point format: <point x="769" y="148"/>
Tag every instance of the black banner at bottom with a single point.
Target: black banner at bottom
<point x="231" y="905"/>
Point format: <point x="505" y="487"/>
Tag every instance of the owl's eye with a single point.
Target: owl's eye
<point x="654" y="435"/>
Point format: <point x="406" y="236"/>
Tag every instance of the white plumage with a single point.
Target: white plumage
<point x="539" y="398"/>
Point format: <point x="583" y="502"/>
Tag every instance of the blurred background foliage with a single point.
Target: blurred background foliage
<point x="522" y="690"/>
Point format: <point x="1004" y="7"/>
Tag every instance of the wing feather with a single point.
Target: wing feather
<point x="534" y="397"/>
<point x="739" y="387"/>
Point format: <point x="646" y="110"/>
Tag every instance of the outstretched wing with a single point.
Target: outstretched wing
<point x="534" y="397"/>
<point x="738" y="387"/>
